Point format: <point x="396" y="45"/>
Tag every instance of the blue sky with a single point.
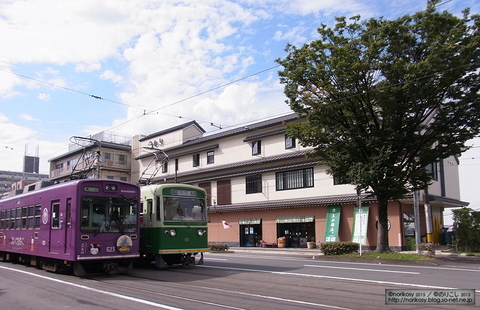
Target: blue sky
<point x="149" y="57"/>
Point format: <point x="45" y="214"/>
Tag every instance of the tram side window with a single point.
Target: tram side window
<point x="7" y="219"/>
<point x="55" y="215"/>
<point x="38" y="214"/>
<point x="159" y="213"/>
<point x="69" y="214"/>
<point x="18" y="219"/>
<point x="31" y="218"/>
<point x="2" y="219"/>
<point x="24" y="217"/>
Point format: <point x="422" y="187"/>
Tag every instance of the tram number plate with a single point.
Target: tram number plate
<point x="110" y="249"/>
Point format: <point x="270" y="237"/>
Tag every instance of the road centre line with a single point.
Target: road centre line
<point x="364" y="269"/>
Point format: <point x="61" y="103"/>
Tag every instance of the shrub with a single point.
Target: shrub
<point x="428" y="248"/>
<point x="338" y="248"/>
<point x="218" y="247"/>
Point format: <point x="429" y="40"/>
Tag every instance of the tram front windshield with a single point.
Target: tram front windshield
<point x="108" y="214"/>
<point x="184" y="209"/>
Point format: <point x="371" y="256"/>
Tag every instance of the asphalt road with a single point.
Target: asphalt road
<point x="236" y="280"/>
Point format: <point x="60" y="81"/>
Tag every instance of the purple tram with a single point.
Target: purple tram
<point x="85" y="226"/>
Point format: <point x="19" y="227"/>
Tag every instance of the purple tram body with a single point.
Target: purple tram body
<point x="85" y="226"/>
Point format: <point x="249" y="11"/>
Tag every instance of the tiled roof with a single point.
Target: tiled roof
<point x="245" y="129"/>
<point x="172" y="129"/>
<point x="288" y="203"/>
<point x="248" y="163"/>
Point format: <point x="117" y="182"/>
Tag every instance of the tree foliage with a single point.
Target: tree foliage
<point x="384" y="99"/>
<point x="467" y="229"/>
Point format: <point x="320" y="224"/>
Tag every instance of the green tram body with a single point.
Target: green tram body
<point x="173" y="228"/>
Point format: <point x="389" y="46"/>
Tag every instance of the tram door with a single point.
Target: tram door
<point x="60" y="226"/>
<point x="148" y="222"/>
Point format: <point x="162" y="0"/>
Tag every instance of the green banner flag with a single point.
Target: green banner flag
<point x="332" y="223"/>
<point x="360" y="223"/>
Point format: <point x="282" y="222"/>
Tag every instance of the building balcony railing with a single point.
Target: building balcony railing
<point x="105" y="165"/>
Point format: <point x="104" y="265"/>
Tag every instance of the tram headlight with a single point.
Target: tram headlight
<point x="111" y="187"/>
<point x="170" y="232"/>
<point x="201" y="232"/>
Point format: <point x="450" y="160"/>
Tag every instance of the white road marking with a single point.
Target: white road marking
<point x="146" y="302"/>
<point x="364" y="269"/>
<point x="334" y="278"/>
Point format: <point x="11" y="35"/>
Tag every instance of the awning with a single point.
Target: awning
<point x="296" y="219"/>
<point x="249" y="221"/>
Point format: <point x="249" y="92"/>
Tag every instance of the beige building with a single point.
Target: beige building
<point x="103" y="156"/>
<point x="259" y="181"/>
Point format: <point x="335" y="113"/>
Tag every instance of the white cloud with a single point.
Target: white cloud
<point x="43" y="96"/>
<point x="87" y="67"/>
<point x="167" y="56"/>
<point x="27" y="117"/>
<point x="110" y="75"/>
<point x="293" y="35"/>
<point x="15" y="140"/>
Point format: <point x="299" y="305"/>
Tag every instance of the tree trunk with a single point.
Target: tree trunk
<point x="382" y="232"/>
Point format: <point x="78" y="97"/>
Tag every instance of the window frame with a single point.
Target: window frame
<point x="289" y="143"/>
<point x="196" y="160"/>
<point x="210" y="157"/>
<point x="165" y="166"/>
<point x="295" y="179"/>
<point x="253" y="184"/>
<point x="257" y="147"/>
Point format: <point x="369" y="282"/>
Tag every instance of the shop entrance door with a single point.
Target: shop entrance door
<point x="250" y="235"/>
<point x="296" y="234"/>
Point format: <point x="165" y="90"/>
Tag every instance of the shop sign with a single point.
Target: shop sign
<point x="332" y="223"/>
<point x="360" y="222"/>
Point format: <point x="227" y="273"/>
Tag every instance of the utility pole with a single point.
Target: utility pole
<point x="359" y="205"/>
<point x="416" y="213"/>
<point x="428" y="217"/>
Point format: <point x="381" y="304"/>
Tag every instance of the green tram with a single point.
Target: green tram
<point x="173" y="225"/>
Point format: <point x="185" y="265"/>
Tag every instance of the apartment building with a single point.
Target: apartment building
<point x="102" y="156"/>
<point x="260" y="182"/>
<point x="12" y="183"/>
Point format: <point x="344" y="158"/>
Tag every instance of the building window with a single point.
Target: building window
<point x="224" y="192"/>
<point x="196" y="160"/>
<point x="210" y="157"/>
<point x="257" y="147"/>
<point x="253" y="184"/>
<point x="289" y="142"/>
<point x="122" y="159"/>
<point x="301" y="178"/>
<point x="165" y="167"/>
<point x="433" y="170"/>
<point x="108" y="156"/>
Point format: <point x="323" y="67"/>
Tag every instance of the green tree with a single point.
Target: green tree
<point x="467" y="229"/>
<point x="383" y="99"/>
